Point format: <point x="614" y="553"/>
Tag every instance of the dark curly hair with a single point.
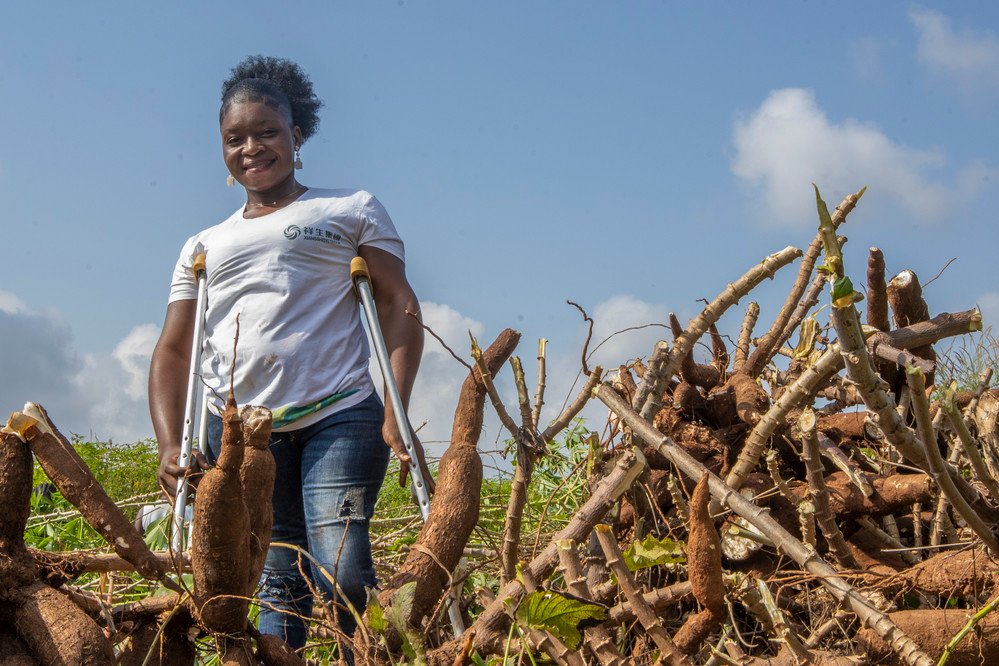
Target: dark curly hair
<point x="275" y="81"/>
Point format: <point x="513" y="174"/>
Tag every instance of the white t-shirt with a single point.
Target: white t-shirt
<point x="302" y="351"/>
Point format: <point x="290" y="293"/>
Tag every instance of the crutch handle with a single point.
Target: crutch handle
<point x="359" y="269"/>
<point x="199" y="266"/>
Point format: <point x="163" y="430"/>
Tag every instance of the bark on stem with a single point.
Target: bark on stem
<point x="937" y="467"/>
<point x="574" y="407"/>
<point x="772" y="339"/>
<point x="860" y="371"/>
<point x="831" y="361"/>
<point x="539" y="394"/>
<point x="646" y="616"/>
<point x="820" y="495"/>
<point x="971" y="446"/>
<point x="709" y="315"/>
<point x="877" y="296"/>
<point x="489" y="626"/>
<point x="807" y="303"/>
<point x="761" y="520"/>
<point x="598" y="640"/>
<point x="745" y="336"/>
<point x="544" y="640"/>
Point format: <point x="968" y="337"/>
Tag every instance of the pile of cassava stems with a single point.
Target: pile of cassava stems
<point x="833" y="506"/>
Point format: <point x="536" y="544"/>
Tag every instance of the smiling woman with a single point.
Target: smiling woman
<point x="281" y="264"/>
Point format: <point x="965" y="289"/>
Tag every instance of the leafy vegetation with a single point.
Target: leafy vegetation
<point x="128" y="473"/>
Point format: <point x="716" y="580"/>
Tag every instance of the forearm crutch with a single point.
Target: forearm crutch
<point x="362" y="284"/>
<point x="193" y="393"/>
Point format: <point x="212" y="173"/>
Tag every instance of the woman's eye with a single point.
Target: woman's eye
<point x="232" y="141"/>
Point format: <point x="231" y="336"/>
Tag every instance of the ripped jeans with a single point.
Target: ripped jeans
<point x="327" y="482"/>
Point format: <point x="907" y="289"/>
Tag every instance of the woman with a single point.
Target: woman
<point x="281" y="263"/>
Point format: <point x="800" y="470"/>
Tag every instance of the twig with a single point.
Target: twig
<point x="800" y="391"/>
<point x="709" y="315"/>
<point x="933" y="279"/>
<point x="439" y="339"/>
<point x="820" y="494"/>
<point x="598" y="640"/>
<point x="589" y="334"/>
<point x="780" y="625"/>
<point x="574" y="407"/>
<point x="628" y="467"/>
<point x="967" y="629"/>
<point x="745" y="336"/>
<point x="487" y="382"/>
<point x="938" y="470"/>
<point x="969" y="443"/>
<point x="539" y="394"/>
<point x="760" y="518"/>
<point x="646" y="616"/>
<point x="887" y="540"/>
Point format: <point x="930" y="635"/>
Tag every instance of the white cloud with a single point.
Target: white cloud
<point x="103" y="395"/>
<point x="789" y="143"/>
<point x="967" y="58"/>
<point x="10" y="303"/>
<point x="435" y="394"/>
<point x="613" y="317"/>
<point x="115" y="386"/>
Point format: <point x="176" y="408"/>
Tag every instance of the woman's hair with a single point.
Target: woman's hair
<point x="276" y="81"/>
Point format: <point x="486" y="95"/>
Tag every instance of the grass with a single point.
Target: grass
<point x="128" y="473"/>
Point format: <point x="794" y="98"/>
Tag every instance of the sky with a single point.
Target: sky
<point x="630" y="157"/>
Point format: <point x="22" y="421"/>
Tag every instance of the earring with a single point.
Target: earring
<point x="298" y="157"/>
<point x="229" y="180"/>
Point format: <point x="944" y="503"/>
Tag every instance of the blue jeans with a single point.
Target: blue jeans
<point x="327" y="482"/>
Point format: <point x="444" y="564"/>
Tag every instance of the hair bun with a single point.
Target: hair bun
<point x="287" y="76"/>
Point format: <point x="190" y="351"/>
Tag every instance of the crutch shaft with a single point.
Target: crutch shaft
<point x="190" y="405"/>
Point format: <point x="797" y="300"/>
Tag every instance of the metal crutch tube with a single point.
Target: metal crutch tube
<point x="191" y="404"/>
<point x="362" y="283"/>
<point x="202" y="444"/>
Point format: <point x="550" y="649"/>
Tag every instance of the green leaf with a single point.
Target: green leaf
<point x="396" y="614"/>
<point x="376" y="616"/>
<point x="651" y="552"/>
<point x="824" y="217"/>
<point x="841" y="288"/>
<point x="559" y="615"/>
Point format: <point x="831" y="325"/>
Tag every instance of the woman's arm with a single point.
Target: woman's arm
<point x="168" y="388"/>
<point x="394" y="299"/>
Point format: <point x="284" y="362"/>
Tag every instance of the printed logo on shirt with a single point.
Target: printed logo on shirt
<point x="293" y="231"/>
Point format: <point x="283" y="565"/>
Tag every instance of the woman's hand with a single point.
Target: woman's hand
<point x="392" y="437"/>
<point x="169" y="471"/>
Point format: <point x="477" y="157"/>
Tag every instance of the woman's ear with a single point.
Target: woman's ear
<point x="296" y="134"/>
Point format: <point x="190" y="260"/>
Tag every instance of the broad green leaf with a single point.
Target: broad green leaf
<point x="842" y="288"/>
<point x="396" y="613"/>
<point x="650" y="552"/>
<point x="558" y="614"/>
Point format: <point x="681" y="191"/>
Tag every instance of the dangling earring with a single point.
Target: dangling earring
<point x="229" y="180"/>
<point x="298" y="157"/>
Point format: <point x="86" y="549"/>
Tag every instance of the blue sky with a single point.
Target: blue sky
<point x="632" y="157"/>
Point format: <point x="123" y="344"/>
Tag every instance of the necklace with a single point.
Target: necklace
<point x="270" y="204"/>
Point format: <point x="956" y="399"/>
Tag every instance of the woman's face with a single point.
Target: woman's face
<point x="258" y="145"/>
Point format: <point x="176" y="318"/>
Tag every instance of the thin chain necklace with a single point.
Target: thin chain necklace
<point x="270" y="204"/>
